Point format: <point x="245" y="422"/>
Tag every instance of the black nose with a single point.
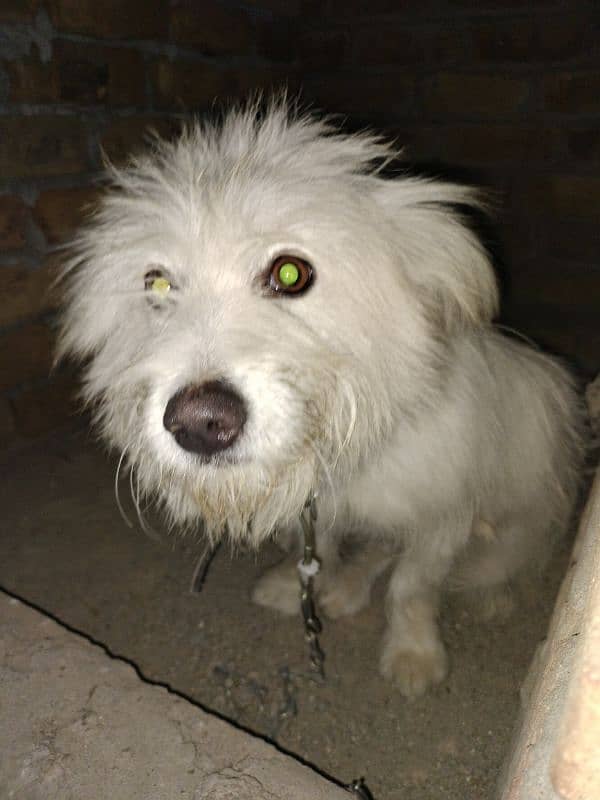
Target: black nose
<point x="205" y="418"/>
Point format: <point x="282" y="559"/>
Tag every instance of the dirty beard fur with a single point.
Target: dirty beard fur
<point x="244" y="503"/>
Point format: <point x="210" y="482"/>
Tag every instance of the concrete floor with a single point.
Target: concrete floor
<point x="77" y="724"/>
<point x="65" y="548"/>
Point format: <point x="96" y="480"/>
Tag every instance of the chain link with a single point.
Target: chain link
<point x="308" y="567"/>
<point x="360" y="789"/>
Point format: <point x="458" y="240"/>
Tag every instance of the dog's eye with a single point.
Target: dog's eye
<point x="157" y="283"/>
<point x="289" y="275"/>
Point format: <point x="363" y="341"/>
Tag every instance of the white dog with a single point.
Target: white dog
<point x="264" y="317"/>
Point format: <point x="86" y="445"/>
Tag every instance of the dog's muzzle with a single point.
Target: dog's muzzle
<point x="205" y="418"/>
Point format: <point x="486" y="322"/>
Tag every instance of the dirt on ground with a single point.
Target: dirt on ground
<point x="65" y="548"/>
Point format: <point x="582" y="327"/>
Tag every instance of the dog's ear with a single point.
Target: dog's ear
<point x="439" y="253"/>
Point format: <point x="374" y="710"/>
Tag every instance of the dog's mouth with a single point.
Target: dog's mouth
<point x="207" y="420"/>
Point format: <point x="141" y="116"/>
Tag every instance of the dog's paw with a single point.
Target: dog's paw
<point x="346" y="595"/>
<point x="279" y="588"/>
<point x="414" y="671"/>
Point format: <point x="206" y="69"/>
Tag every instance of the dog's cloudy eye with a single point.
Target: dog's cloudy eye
<point x="157" y="283"/>
<point x="290" y="275"/>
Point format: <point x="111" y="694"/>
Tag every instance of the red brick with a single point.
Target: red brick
<point x="280" y="41"/>
<point x="340" y="9"/>
<point x="560" y="37"/>
<point x="518" y="235"/>
<point x="447" y="45"/>
<point x="25" y="354"/>
<point x="193" y="86"/>
<point x="129" y="135"/>
<point x="79" y="73"/>
<point x="212" y="28"/>
<point x="268" y="80"/>
<point x="387" y="44"/>
<point x="583" y="144"/>
<point x="565" y="196"/>
<point x="26" y="292"/>
<point x="572" y="92"/>
<point x="89" y="74"/>
<point x="503" y="41"/>
<point x="393" y="42"/>
<point x="59" y="212"/>
<point x="189" y="86"/>
<point x="37" y="146"/>
<point x="8" y="432"/>
<point x="323" y="47"/>
<point x="470" y="95"/>
<point x="362" y="95"/>
<point x="570" y="36"/>
<point x="549" y="282"/>
<point x="287" y="8"/>
<point x="482" y="143"/>
<point x="572" y="239"/>
<point x="14" y="215"/>
<point x="31" y="81"/>
<point x="18" y="10"/>
<point x="135" y="19"/>
<point x="45" y="407"/>
<point x="489" y="5"/>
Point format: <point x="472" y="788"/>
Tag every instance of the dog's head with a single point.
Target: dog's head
<point x="259" y="310"/>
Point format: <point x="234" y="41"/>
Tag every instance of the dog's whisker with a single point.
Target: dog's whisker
<point x="124" y="516"/>
<point x="131" y="489"/>
<point x="135" y="494"/>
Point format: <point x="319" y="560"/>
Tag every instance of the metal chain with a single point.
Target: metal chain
<point x="360" y="789"/>
<point x="308" y="567"/>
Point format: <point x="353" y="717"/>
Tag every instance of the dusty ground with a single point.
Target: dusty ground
<point x="65" y="548"/>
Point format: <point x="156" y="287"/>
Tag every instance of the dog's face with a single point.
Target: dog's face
<point x="260" y="312"/>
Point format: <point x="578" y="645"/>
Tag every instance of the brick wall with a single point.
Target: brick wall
<point x="507" y="91"/>
<point x="78" y="77"/>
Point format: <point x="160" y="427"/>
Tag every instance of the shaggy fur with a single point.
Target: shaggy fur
<point x="384" y="388"/>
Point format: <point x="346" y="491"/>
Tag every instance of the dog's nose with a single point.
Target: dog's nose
<point x="205" y="418"/>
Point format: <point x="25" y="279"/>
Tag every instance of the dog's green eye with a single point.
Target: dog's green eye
<point x="157" y="283"/>
<point x="289" y="275"/>
<point x="160" y="286"/>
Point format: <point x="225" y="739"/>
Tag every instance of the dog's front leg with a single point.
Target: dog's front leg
<point x="279" y="587"/>
<point x="347" y="589"/>
<point x="413" y="654"/>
